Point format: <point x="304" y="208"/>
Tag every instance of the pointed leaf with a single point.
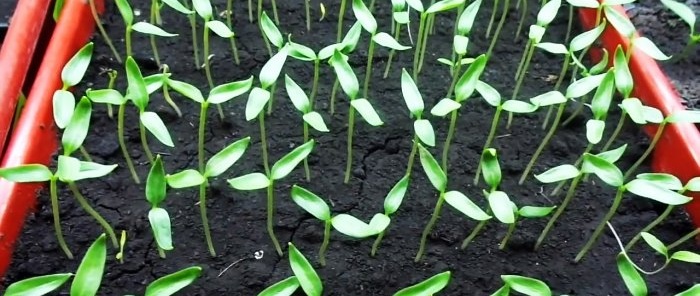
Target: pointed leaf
<point x="428" y="287"/>
<point x="634" y="108"/>
<point x="584" y="3"/>
<point x="366" y="111"/>
<point x="667" y="181"/>
<point x="104" y="96"/>
<point x="346" y="77"/>
<point x="203" y="8"/>
<point x="490" y="167"/>
<point x="600" y="104"/>
<point x="548" y="12"/>
<point x="393" y="199"/>
<point x="155" y="125"/>
<point x="149" y="29"/>
<point x="612" y="156"/>
<point x="694" y="290"/>
<point x="125" y="11"/>
<point x="527" y="286"/>
<point x="432" y="169"/>
<point x="311" y="203"/>
<point x="364" y="16"/>
<point x="466" y="19"/>
<point x="594" y="130"/>
<point x="549" y="98"/>
<point x="74" y="70"/>
<point x="586" y="39"/>
<point x="287" y="163"/>
<point x="352" y="226"/>
<point x="175" y="4"/>
<point x="655" y="243"/>
<point x="174" y="282"/>
<point x="489" y="93"/>
<point x="444" y="107"/>
<point x="465" y="205"/>
<point x="40" y="285"/>
<point x="26" y="173"/>
<point x="501" y="206"/>
<point x="385" y="40"/>
<point x="634" y="282"/>
<point x="516" y="106"/>
<point x="136" y="91"/>
<point x="225" y="92"/>
<point x="467" y="83"/>
<point x="557" y="174"/>
<point x="297" y="95"/>
<point x="379" y="222"/>
<point x="156" y="185"/>
<point x="683" y="11"/>
<point x="424" y="131"/>
<point x="684" y="116"/>
<point x="272" y="33"/>
<point x="92" y="170"/>
<point x="315" y="120"/>
<point x="535" y="212"/>
<point x="623" y="76"/>
<point x="187" y="90"/>
<point x="651" y="190"/>
<point x="686" y="256"/>
<point x="224" y="159"/>
<point x="272" y="68"/>
<point x="620" y="22"/>
<point x="185" y="179"/>
<point x="351" y="39"/>
<point x="155" y="82"/>
<point x="220" y="29"/>
<point x="693" y="184"/>
<point x="77" y="129"/>
<point x="257" y="99"/>
<point x="649" y="48"/>
<point x="444" y="5"/>
<point x="652" y="114"/>
<point x="285" y="287"/>
<point x="68" y="168"/>
<point x="160" y="225"/>
<point x="63" y="106"/>
<point x="308" y="278"/>
<point x="253" y="181"/>
<point x="301" y="52"/>
<point x="411" y="94"/>
<point x="584" y="86"/>
<point x="89" y="274"/>
<point x="417" y="5"/>
<point x="606" y="171"/>
<point x="555" y="48"/>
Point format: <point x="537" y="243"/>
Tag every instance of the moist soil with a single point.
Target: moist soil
<point x="379" y="160"/>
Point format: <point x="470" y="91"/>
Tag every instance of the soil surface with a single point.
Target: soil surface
<point x="380" y="156"/>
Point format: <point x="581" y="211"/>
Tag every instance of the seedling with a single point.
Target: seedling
<point x="306" y="54"/>
<point x="142" y="27"/>
<point x="686" y="14"/>
<point x="229" y="23"/>
<point x="524" y="285"/>
<point x="156" y="191"/>
<point x="624" y="26"/>
<point x="105" y="36"/>
<point x="311" y="118"/>
<point x="356" y="228"/>
<point x="122" y="243"/>
<point x="429" y="286"/>
<point x="392" y="202"/>
<point x="400" y="15"/>
<point x="350" y="85"/>
<point x="501" y="22"/>
<point x="160" y="81"/>
<point x="280" y="169"/>
<point x="422" y="128"/>
<point x="315" y="206"/>
<point x="426" y="18"/>
<point x="347" y="46"/>
<point x="304" y="276"/>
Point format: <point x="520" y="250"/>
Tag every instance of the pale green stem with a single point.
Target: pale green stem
<point x="473" y="234"/>
<point x="92" y="212"/>
<point x="85" y="154"/>
<point x="57" y="219"/>
<point x="429" y="226"/>
<point x="324" y="245"/>
<point x="229" y="22"/>
<point x="685" y="238"/>
<point x="615" y="133"/>
<point x="543" y="144"/>
<point x="397" y="33"/>
<point x="492" y="19"/>
<point x="154" y="46"/>
<point x="203" y="186"/>
<point x="122" y="144"/>
<point x="263" y="142"/>
<point x="419" y="46"/>
<point x="504" y="15"/>
<point x="649" y="227"/>
<point x="509" y="233"/>
<point x="127" y="41"/>
<point x="520" y="81"/>
<point x="368" y="70"/>
<point x="351" y="128"/>
<point x="144" y="142"/>
<point x="601" y="225"/>
<point x="308" y="15"/>
<point x="274" y="12"/>
<point x="307" y="172"/>
<point x="195" y="45"/>
<point x="104" y="34"/>
<point x="523" y="14"/>
<point x="314" y="87"/>
<point x="646" y="153"/>
<point x="270" y="217"/>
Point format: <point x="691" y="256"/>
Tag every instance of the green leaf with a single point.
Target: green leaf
<point x="432" y="169"/>
<point x="297" y="95"/>
<point x="686" y="256"/>
<point x="548" y="12"/>
<point x="490" y="167"/>
<point x="427" y="287"/>
<point x="366" y="111"/>
<point x="634" y="108"/>
<point x="203" y="8"/>
<point x="352" y="227"/>
<point x="125" y="11"/>
<point x="301" y="52"/>
<point x="467" y="82"/>
<point x="411" y="94"/>
<point x="444" y="5"/>
<point x="394" y="198"/>
<point x="526" y="285"/>
<point x="490" y="94"/>
<point x="555" y="48"/>
<point x="253" y="181"/>
<point x="465" y="205"/>
<point x="77" y="129"/>
<point x="89" y="274"/>
<point x="136" y="91"/>
<point x="684" y="116"/>
<point x="693" y="184"/>
<point x="149" y="29"/>
<point x="160" y="224"/>
<point x="535" y="212"/>
<point x="415" y="4"/>
<point x="272" y="68"/>
<point x="224" y="159"/>
<point x="187" y="90"/>
<point x="623" y="77"/>
<point x="257" y="99"/>
<point x="74" y="70"/>
<point x="652" y="114"/>
<point x="651" y="190"/>
<point x="614" y="155"/>
<point x="306" y="275"/>
<point x="220" y="29"/>
<point x="620" y="22"/>
<point x="516" y="106"/>
<point x="92" y="170"/>
<point x="634" y="282"/>
<point x="155" y="125"/>
<point x="444" y="107"/>
<point x="185" y="179"/>
<point x="364" y="16"/>
<point x="385" y="40"/>
<point x="424" y="131"/>
<point x="655" y="243"/>
<point x="287" y="163"/>
<point x="466" y="19"/>
<point x="63" y="106"/>
<point x="649" y="48"/>
<point x="105" y="96"/>
<point x="536" y="33"/>
<point x="175" y="4"/>
<point x="683" y="11"/>
<point x="694" y="290"/>
<point x="40" y="285"/>
<point x="667" y="181"/>
<point x="68" y="168"/>
<point x="350" y="40"/>
<point x="501" y="206"/>
<point x="460" y="44"/>
<point x="225" y="92"/>
<point x="315" y="120"/>
<point x="311" y="203"/>
<point x="549" y="98"/>
<point x="606" y="171"/>
<point x="346" y="77"/>
<point x="586" y="39"/>
<point x="328" y="51"/>
<point x="272" y="33"/>
<point x="503" y="291"/>
<point x="174" y="282"/>
<point x="379" y="222"/>
<point x="26" y="173"/>
<point x="584" y="3"/>
<point x="285" y="287"/>
<point x="558" y="173"/>
<point x="603" y="96"/>
<point x="156" y="185"/>
<point x="594" y="130"/>
<point x="602" y="65"/>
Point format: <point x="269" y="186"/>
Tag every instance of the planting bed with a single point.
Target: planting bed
<point x="238" y="218"/>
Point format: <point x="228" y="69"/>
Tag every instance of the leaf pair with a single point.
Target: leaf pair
<point x="69" y="169"/>
<point x="304" y="276"/>
<point x="524" y="285"/>
<point x="280" y="169"/>
<point x="303" y="104"/>
<point x="142" y="27"/>
<point x="414" y="101"/>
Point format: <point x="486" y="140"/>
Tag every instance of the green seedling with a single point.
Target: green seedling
<point x="229" y="23"/>
<point x="358" y="229"/>
<point x="304" y="276"/>
<point x="192" y="18"/>
<point x="310" y="118"/>
<point x="350" y="85"/>
<point x="459" y="201"/>
<point x="429" y="286"/>
<point x="624" y="26"/>
<point x="260" y="10"/>
<point x="465" y="22"/>
<point x="306" y="54"/>
<point x="101" y="28"/>
<point x="426" y="18"/>
<point x="624" y="84"/>
<point x="315" y="206"/>
<point x="122" y="243"/>
<point x="280" y="170"/>
<point x="686" y="14"/>
<point x="158" y="217"/>
<point x="151" y="28"/>
<point x="400" y="16"/>
<point x="142" y="27"/>
<point x="160" y="81"/>
<point x="392" y="202"/>
<point x="174" y="282"/>
<point x="346" y="46"/>
<point x="463" y="90"/>
<point x="525" y="285"/>
<point x="422" y="128"/>
<point x="271" y="34"/>
<point x="499" y="27"/>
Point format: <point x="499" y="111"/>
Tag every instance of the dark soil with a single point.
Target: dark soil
<point x="380" y="154"/>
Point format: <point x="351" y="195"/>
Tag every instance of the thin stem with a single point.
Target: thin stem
<point x="161" y="252"/>
<point x="412" y="155"/>
<point x="397" y="34"/>
<point x="687" y="49"/>
<point x="170" y="101"/>
<point x="57" y="219"/>
<point x="368" y="70"/>
<point x="205" y="220"/>
<point x="504" y="15"/>
<point x="509" y="233"/>
<point x="419" y="46"/>
<point x="122" y="144"/>
<point x="649" y="227"/>
<point x="543" y="144"/>
<point x="429" y="227"/>
<point x="144" y="142"/>
<point x="375" y="245"/>
<point x="492" y="19"/>
<point x="601" y="225"/>
<point x="229" y="22"/>
<point x="207" y="67"/>
<point x="154" y="46"/>
<point x="272" y="99"/>
<point x="195" y="46"/>
<point x="274" y="12"/>
<point x="270" y="217"/>
<point x="424" y="42"/>
<point x="334" y="91"/>
<point x="569" y="24"/>
<point x="314" y="87"/>
<point x="473" y="234"/>
<point x="567" y="199"/>
<point x="92" y="212"/>
<point x="85" y="154"/>
<point x="341" y="16"/>
<point x="557" y="85"/>
<point x="250" y="10"/>
<point x="448" y="140"/>
<point x="351" y="128"/>
<point x="685" y="238"/>
<point x="104" y="34"/>
<point x="489" y="139"/>
<point x="110" y="85"/>
<point x="200" y="135"/>
<point x="127" y="41"/>
<point x="644" y="156"/>
<point x="518" y="84"/>
<point x="263" y="142"/>
<point x="578" y="111"/>
<point x="306" y="161"/>
<point x="324" y="245"/>
<point x="308" y="15"/>
<point x="522" y="60"/>
<point x="576" y="163"/>
<point x="615" y="133"/>
<point x="523" y="14"/>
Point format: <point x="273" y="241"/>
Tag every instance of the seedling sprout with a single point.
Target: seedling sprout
<point x="429" y="286"/>
<point x="304" y="276"/>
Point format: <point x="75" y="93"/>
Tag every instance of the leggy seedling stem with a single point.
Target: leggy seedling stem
<point x="652" y="145"/>
<point x="492" y="18"/>
<point x="108" y="40"/>
<point x="397" y="34"/>
<point x="649" y="227"/>
<point x="229" y="22"/>
<point x="144" y="142"/>
<point x="57" y="218"/>
<point x="453" y="116"/>
<point x="110" y="85"/>
<point x="203" y="186"/>
<point x="195" y="45"/>
<point x="270" y="217"/>
<point x="351" y="130"/>
<point x="122" y="144"/>
<point x="207" y="65"/>
<point x="339" y="37"/>
<point x="153" y="19"/>
<point x="501" y="22"/>
<point x="523" y="14"/>
<point x="685" y="238"/>
<point x="419" y="46"/>
<point x="618" y="128"/>
<point x="368" y="70"/>
<point x="429" y="227"/>
<point x="326" y="240"/>
<point x="95" y="215"/>
<point x="519" y="83"/>
<point x="601" y="225"/>
<point x="308" y="15"/>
